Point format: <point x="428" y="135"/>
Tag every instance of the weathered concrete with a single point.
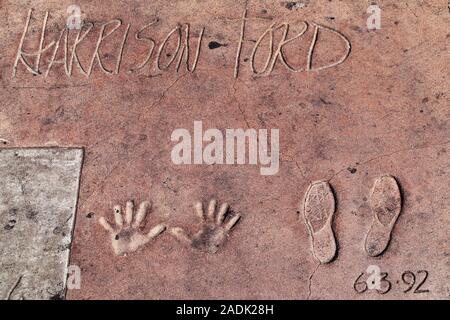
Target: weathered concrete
<point x="38" y="197"/>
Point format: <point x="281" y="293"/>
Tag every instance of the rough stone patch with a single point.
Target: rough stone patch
<point x="38" y="198"/>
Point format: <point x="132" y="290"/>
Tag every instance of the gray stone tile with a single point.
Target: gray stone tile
<point x="38" y="197"/>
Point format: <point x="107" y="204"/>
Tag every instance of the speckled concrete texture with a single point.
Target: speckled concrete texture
<point x="384" y="110"/>
<point x="38" y="199"/>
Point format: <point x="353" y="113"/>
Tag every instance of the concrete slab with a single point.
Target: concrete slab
<point x="38" y="198"/>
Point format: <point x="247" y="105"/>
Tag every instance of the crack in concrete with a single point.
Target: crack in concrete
<point x="13" y="288"/>
<point x="48" y="88"/>
<point x="300" y="168"/>
<point x="310" y="281"/>
<point x="238" y="104"/>
<point x="116" y="165"/>
<point x="163" y="94"/>
<point x="391" y="154"/>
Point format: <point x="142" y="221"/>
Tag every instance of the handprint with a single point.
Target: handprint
<point x="126" y="237"/>
<point x="214" y="229"/>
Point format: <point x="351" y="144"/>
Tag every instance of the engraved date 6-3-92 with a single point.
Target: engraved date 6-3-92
<point x="374" y="279"/>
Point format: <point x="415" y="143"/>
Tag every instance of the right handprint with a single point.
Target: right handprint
<point x="214" y="230"/>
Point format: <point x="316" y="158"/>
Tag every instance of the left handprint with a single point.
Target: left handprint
<point x="126" y="236"/>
